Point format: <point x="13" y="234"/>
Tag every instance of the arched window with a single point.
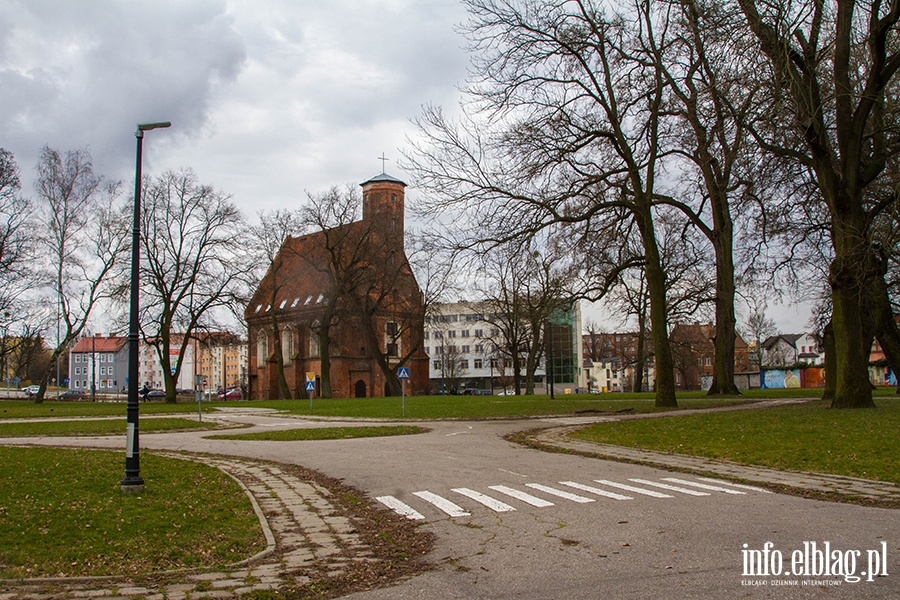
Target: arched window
<point x="314" y="340"/>
<point x="287" y="344"/>
<point x="262" y="348"/>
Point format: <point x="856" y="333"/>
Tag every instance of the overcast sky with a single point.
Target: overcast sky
<point x="267" y="98"/>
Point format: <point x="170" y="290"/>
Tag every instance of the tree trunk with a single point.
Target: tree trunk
<point x="886" y="331"/>
<point x="723" y="362"/>
<point x="830" y="361"/>
<point x="325" y="359"/>
<point x="284" y="391"/>
<point x="656" y="288"/>
<point x="847" y="279"/>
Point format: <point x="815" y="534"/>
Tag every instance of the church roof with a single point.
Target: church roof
<point x="383" y="177"/>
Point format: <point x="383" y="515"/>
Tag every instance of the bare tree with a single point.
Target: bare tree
<point x="266" y="240"/>
<point x="191" y="236"/>
<point x="84" y="240"/>
<point x="16" y="260"/>
<point x="830" y="66"/>
<point x="758" y="327"/>
<point x="571" y="126"/>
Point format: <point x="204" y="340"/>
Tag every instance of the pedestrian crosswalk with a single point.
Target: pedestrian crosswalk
<point x="676" y="486"/>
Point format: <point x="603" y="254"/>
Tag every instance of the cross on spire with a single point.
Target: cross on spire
<point x="383" y="160"/>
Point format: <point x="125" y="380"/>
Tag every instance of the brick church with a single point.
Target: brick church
<point x="344" y="301"/>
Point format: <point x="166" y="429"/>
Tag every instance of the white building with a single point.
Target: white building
<point x="462" y="346"/>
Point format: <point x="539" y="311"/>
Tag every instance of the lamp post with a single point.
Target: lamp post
<point x="132" y="481"/>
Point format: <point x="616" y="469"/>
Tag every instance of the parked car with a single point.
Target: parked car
<point x="231" y="394"/>
<point x="470" y="392"/>
<point x="32" y="390"/>
<point x="71" y="395"/>
<point x="155" y="394"/>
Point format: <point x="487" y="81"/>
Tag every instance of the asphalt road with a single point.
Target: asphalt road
<point x="688" y="544"/>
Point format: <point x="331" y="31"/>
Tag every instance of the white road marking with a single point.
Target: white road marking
<point x="631" y="488"/>
<point x="512" y="472"/>
<point x="442" y="503"/>
<point x="560" y="493"/>
<point x="593" y="490"/>
<point x="491" y="503"/>
<point x="519" y="495"/>
<point x="703" y="486"/>
<point x="673" y="488"/>
<point x="400" y="508"/>
<point x="737" y="485"/>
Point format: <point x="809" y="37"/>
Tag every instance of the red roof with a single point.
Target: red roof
<point x="100" y="344"/>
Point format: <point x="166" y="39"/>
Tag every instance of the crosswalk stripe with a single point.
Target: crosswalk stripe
<point x="673" y="488"/>
<point x="491" y="503"/>
<point x="442" y="503"/>
<point x="520" y="495"/>
<point x="594" y="490"/>
<point x="703" y="486"/>
<point x="737" y="485"/>
<point x="560" y="493"/>
<point x="631" y="488"/>
<point x="400" y="508"/>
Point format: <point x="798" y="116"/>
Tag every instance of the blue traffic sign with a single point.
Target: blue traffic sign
<point x="310" y="386"/>
<point x="403" y="373"/>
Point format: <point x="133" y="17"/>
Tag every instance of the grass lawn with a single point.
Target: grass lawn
<point x="807" y="437"/>
<point x="62" y="513"/>
<point x="480" y="407"/>
<point x="98" y="426"/>
<point x="322" y="433"/>
<point x="26" y="409"/>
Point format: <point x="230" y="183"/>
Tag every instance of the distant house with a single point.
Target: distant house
<point x="373" y="316"/>
<point x="612" y="362"/>
<point x="694" y="352"/>
<point x="99" y="364"/>
<point x="785" y="350"/>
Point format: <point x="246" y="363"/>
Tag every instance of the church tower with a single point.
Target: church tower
<point x="383" y="206"/>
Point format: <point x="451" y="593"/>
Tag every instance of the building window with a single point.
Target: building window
<point x="479" y="348"/>
<point x="78" y="358"/>
<point x="463" y="363"/>
<point x="314" y="348"/>
<point x="392" y="350"/>
<point x="287" y="344"/>
<point x="262" y="349"/>
<point x="479" y="364"/>
<point x="479" y="333"/>
<point x="437" y="365"/>
<point x="465" y="333"/>
<point x="465" y="349"/>
<point x="451" y="334"/>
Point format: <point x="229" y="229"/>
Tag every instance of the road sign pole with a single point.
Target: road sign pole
<point x="403" y="395"/>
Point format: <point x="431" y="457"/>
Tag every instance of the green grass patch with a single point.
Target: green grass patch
<point x="478" y="407"/>
<point x="323" y="433"/>
<point x="99" y="427"/>
<point x="62" y="513"/>
<point x="806" y="437"/>
<point x="26" y="409"/>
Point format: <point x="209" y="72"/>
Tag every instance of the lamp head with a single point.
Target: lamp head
<point x="142" y="127"/>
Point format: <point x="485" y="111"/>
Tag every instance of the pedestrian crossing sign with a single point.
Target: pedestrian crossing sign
<point x="403" y="373"/>
<point x="310" y="386"/>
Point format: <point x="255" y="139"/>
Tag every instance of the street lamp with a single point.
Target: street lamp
<point x="132" y="481"/>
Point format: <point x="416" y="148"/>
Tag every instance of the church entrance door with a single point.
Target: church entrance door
<point x="360" y="389"/>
